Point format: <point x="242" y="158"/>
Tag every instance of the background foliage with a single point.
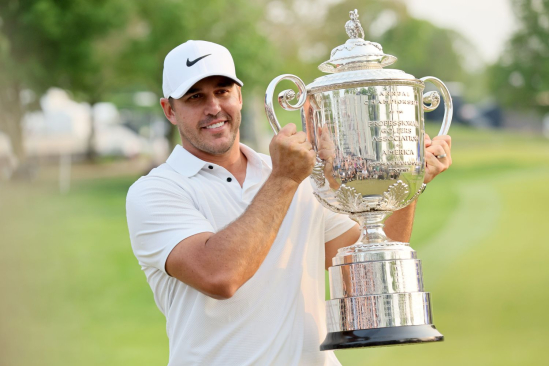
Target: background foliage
<point x="103" y="50"/>
<point x="520" y="79"/>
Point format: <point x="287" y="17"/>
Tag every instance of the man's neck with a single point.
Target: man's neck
<point x="233" y="160"/>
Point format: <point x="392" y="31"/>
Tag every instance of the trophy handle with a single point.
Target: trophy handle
<point x="284" y="98"/>
<point x="434" y="100"/>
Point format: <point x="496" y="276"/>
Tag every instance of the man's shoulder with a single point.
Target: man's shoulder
<point x="160" y="179"/>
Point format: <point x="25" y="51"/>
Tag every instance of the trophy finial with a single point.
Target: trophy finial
<point x="352" y="27"/>
<point x="356" y="53"/>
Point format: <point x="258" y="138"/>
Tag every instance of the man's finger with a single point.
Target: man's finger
<point x="445" y="138"/>
<point x="437" y="150"/>
<point x="312" y="156"/>
<point x="433" y="167"/>
<point x="326" y="154"/>
<point x="444" y="145"/>
<point x="307" y="145"/>
<point x="427" y="140"/>
<point x="299" y="137"/>
<point x="288" y="130"/>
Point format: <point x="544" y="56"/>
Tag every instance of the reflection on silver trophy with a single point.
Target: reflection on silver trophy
<point x="366" y="125"/>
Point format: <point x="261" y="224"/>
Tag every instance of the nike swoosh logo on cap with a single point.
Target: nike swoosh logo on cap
<point x="190" y="63"/>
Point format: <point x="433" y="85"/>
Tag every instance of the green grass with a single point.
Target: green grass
<point x="76" y="293"/>
<point x="73" y="293"/>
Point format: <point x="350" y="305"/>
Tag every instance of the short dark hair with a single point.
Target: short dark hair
<point x="170" y="100"/>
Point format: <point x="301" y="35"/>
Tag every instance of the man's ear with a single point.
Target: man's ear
<point x="239" y="93"/>
<point x="168" y="110"/>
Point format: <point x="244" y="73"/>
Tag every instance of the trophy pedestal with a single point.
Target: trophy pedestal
<point x="376" y="293"/>
<point x="376" y="337"/>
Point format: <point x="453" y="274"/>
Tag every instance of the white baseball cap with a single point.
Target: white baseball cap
<point x="193" y="61"/>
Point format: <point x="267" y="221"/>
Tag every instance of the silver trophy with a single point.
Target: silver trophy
<point x="366" y="125"/>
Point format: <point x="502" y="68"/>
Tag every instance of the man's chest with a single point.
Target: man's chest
<point x="223" y="202"/>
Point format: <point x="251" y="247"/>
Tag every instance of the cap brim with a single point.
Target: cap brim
<point x="183" y="88"/>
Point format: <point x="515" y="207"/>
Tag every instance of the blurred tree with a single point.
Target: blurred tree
<point x="425" y="49"/>
<point x="306" y="32"/>
<point x="97" y="49"/>
<point x="45" y="43"/>
<point x="137" y="55"/>
<point x="520" y="79"/>
<point x="164" y="24"/>
<point x="101" y="49"/>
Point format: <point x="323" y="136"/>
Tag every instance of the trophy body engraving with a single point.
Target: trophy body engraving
<point x="367" y="126"/>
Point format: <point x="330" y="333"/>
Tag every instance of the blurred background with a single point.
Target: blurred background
<point x="80" y="121"/>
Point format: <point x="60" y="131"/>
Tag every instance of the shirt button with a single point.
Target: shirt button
<point x="211" y="167"/>
<point x="229" y="180"/>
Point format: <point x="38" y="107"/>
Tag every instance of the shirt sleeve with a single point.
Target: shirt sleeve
<point x="336" y="224"/>
<point x="160" y="214"/>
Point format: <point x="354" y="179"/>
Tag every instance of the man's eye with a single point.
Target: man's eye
<point x="194" y="96"/>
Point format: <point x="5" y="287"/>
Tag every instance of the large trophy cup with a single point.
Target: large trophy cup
<point x="370" y="119"/>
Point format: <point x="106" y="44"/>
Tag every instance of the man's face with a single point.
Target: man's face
<point x="207" y="116"/>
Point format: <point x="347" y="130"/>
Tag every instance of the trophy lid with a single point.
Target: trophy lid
<point x="356" y="53"/>
<point x="357" y="60"/>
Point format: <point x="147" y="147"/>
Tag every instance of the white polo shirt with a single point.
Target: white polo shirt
<point x="278" y="316"/>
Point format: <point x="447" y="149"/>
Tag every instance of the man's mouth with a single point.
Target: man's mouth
<point x="215" y="125"/>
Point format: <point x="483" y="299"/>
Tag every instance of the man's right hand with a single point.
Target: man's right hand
<point x="292" y="155"/>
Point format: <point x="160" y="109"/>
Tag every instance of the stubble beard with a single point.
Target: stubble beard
<point x="194" y="139"/>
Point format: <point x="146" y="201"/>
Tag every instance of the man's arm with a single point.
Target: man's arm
<point x="398" y="226"/>
<point x="218" y="264"/>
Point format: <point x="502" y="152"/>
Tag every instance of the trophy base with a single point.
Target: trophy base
<point x="377" y="337"/>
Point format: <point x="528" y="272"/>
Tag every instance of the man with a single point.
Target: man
<point x="233" y="243"/>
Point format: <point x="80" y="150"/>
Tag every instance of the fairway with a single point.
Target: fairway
<point x="73" y="293"/>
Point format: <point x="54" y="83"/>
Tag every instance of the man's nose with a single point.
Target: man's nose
<point x="213" y="106"/>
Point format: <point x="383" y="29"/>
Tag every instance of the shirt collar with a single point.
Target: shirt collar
<point x="253" y="158"/>
<point x="189" y="165"/>
<point x="184" y="162"/>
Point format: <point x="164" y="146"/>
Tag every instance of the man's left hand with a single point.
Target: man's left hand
<point x="438" y="156"/>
